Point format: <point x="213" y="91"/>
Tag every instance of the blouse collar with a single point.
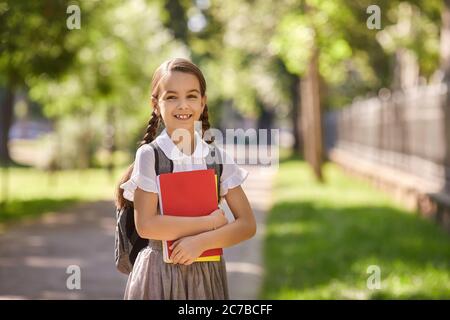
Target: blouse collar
<point x="174" y="153"/>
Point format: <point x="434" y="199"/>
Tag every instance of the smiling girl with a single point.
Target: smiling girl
<point x="178" y="101"/>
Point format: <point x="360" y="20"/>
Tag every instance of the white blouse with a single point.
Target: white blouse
<point x="144" y="176"/>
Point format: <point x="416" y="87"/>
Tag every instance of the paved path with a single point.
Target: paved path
<point x="34" y="257"/>
<point x="244" y="261"/>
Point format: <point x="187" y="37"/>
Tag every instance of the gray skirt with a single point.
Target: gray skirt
<point x="153" y="279"/>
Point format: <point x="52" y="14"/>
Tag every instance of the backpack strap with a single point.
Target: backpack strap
<point x="162" y="163"/>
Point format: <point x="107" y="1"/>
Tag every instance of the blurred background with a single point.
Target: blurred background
<point x="357" y="89"/>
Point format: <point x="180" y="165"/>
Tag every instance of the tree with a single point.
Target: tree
<point x="312" y="45"/>
<point x="29" y="46"/>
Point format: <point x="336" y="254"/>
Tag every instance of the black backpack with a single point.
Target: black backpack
<point x="128" y="243"/>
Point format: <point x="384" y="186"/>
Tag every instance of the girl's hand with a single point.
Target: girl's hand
<point x="185" y="250"/>
<point x="219" y="218"/>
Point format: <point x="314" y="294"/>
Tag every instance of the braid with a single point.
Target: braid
<point x="152" y="127"/>
<point x="204" y="118"/>
<point x="150" y="134"/>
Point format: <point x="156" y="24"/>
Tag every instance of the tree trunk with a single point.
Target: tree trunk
<point x="445" y="65"/>
<point x="311" y="115"/>
<point x="5" y="124"/>
<point x="265" y="121"/>
<point x="297" y="147"/>
<point x="111" y="140"/>
<point x="5" y="159"/>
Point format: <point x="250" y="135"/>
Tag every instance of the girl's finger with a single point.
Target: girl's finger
<point x="189" y="262"/>
<point x="175" y="251"/>
<point x="173" y="255"/>
<point x="174" y="244"/>
<point x="180" y="259"/>
<point x="176" y="258"/>
<point x="176" y="248"/>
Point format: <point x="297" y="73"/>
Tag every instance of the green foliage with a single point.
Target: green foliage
<point x="354" y="60"/>
<point x="250" y="72"/>
<point x="33" y="40"/>
<point x="413" y="30"/>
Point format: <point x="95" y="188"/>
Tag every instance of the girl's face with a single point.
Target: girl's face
<point x="179" y="101"/>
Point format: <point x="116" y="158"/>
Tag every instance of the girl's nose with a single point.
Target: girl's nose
<point x="183" y="104"/>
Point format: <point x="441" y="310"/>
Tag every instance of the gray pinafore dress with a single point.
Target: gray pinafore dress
<point x="153" y="279"/>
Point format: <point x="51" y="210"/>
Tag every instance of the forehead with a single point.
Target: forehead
<point x="179" y="82"/>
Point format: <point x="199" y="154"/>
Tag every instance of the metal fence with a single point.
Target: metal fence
<point x="405" y="130"/>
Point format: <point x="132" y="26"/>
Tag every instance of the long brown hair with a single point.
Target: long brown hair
<point x="177" y="64"/>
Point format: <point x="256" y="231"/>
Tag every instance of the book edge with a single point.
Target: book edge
<point x="166" y="258"/>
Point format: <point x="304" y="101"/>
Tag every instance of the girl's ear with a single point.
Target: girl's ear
<point x="204" y="100"/>
<point x="155" y="105"/>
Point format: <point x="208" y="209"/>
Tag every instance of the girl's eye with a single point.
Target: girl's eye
<point x="192" y="97"/>
<point x="171" y="98"/>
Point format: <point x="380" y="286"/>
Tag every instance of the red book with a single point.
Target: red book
<point x="189" y="194"/>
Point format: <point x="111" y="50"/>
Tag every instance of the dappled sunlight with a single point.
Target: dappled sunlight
<point x="289" y="228"/>
<point x="11" y="297"/>
<point x="245" y="267"/>
<point x="35" y="241"/>
<point x="319" y="247"/>
<point x="61" y="295"/>
<point x="51" y="262"/>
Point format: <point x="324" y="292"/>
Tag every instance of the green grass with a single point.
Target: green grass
<point x="33" y="192"/>
<point x="320" y="240"/>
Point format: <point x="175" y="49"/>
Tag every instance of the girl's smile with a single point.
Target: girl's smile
<point x="183" y="116"/>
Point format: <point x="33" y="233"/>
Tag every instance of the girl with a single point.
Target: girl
<point x="179" y="99"/>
